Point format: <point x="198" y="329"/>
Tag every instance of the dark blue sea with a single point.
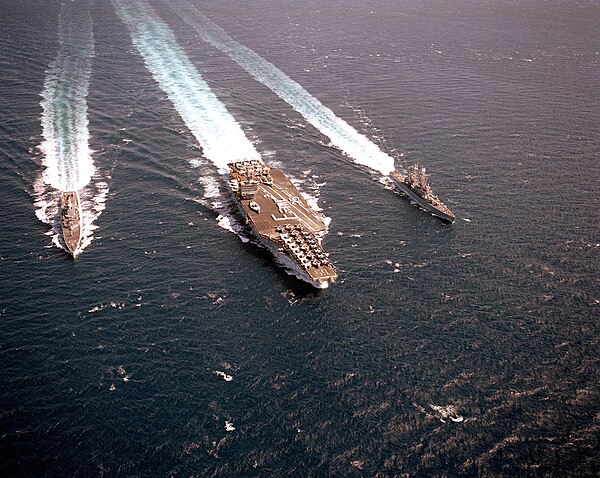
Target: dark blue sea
<point x="174" y="346"/>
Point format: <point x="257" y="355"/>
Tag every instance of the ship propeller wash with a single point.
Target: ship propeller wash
<point x="70" y="220"/>
<point x="282" y="220"/>
<point x="415" y="185"/>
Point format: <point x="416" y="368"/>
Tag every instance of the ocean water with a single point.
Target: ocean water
<point x="174" y="346"/>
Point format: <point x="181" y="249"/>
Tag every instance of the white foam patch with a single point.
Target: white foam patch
<point x="312" y="201"/>
<point x="219" y="134"/>
<point x="341" y="134"/>
<point x="447" y="411"/>
<point x="110" y="305"/>
<point x="223" y="375"/>
<point x="230" y="224"/>
<point x="210" y="186"/>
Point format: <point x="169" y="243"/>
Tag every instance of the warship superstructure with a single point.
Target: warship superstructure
<point x="415" y="185"/>
<point x="70" y="220"/>
<point x="282" y="220"/>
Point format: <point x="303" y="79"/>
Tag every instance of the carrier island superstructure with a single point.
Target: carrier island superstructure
<point x="282" y="220"/>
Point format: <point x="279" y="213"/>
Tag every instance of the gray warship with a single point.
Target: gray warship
<point x="70" y="221"/>
<point x="282" y="220"/>
<point x="415" y="185"/>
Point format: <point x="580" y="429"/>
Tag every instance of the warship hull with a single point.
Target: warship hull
<point x="282" y="221"/>
<point x="70" y="221"/>
<point x="398" y="180"/>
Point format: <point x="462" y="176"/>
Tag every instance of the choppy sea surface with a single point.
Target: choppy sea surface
<point x="174" y="346"/>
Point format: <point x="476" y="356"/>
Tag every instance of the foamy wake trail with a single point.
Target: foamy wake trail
<point x="221" y="137"/>
<point x="65" y="152"/>
<point x="341" y="134"/>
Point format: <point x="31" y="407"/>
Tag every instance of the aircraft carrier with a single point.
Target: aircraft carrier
<point x="415" y="185"/>
<point x="282" y="220"/>
<point x="70" y="220"/>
